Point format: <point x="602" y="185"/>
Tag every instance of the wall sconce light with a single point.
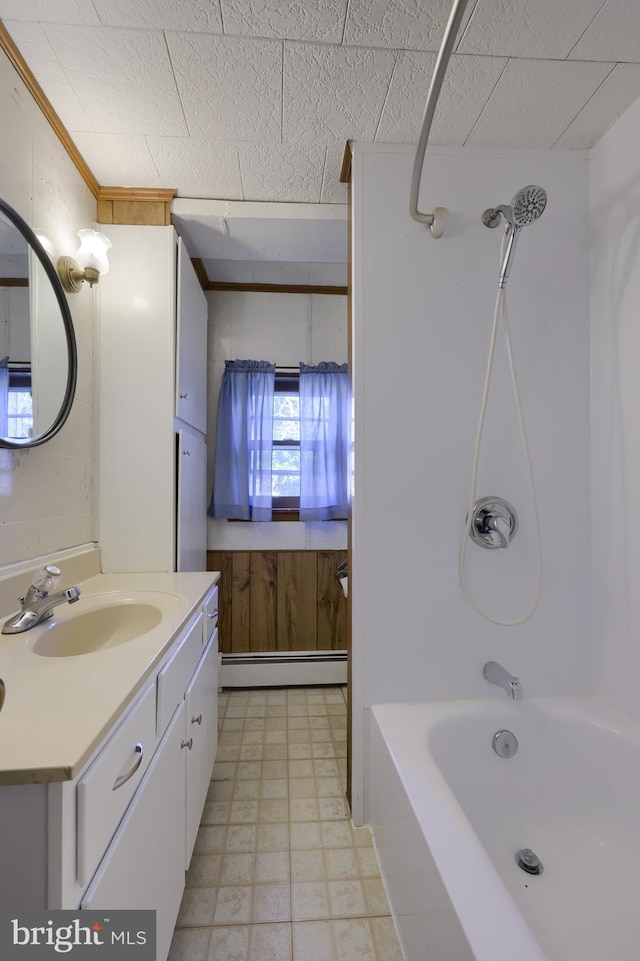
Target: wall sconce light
<point x="90" y="261"/>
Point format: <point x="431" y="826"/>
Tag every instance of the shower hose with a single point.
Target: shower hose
<point x="501" y="312"/>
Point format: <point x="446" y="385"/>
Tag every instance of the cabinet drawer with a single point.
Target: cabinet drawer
<point x="210" y="613"/>
<point x="176" y="674"/>
<point x="104" y="792"/>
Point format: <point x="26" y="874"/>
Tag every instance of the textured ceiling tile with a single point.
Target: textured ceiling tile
<point x="333" y="93"/>
<point x="45" y="11"/>
<point x="527" y="28"/>
<point x="282" y="171"/>
<point x="291" y="19"/>
<point x="36" y="50"/>
<point x="197" y="15"/>
<point x="334" y="192"/>
<point x="198" y="168"/>
<point x="613" y="35"/>
<point x="118" y="160"/>
<point x="468" y="84"/>
<point x="407" y="24"/>
<point x="535" y="101"/>
<point x="620" y="89"/>
<point x="125" y="75"/>
<point x="231" y="89"/>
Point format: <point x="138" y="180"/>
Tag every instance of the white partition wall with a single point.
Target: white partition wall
<point x="422" y="314"/>
<point x="615" y="510"/>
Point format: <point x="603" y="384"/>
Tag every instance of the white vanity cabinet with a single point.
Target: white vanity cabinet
<point x="152" y="356"/>
<point x="121" y="833"/>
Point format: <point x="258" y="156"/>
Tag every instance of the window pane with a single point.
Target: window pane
<point x="19" y="414"/>
<point x="286" y="417"/>
<point x="285" y="479"/>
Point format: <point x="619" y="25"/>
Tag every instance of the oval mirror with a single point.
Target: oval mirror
<point x="38" y="358"/>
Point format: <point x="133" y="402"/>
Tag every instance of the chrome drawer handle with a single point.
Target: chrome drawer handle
<point x="119" y="781"/>
<point x="197" y="720"/>
<point x="214" y="615"/>
<point x="188" y="743"/>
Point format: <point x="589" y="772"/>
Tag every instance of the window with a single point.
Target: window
<point x="282" y="441"/>
<point x="19" y="403"/>
<point x="285" y="478"/>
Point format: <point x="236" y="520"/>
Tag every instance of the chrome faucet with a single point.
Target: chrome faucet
<point x="38" y="603"/>
<point x="496" y="674"/>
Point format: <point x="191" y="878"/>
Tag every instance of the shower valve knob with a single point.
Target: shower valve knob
<point x="494" y="523"/>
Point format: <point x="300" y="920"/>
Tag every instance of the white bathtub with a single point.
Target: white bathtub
<point x="448" y="816"/>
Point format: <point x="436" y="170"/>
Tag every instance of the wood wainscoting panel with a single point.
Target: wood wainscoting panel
<point x="264" y="599"/>
<point x="297" y="601"/>
<point x="273" y="601"/>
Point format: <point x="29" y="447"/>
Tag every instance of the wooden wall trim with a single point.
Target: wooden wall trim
<point x="38" y="94"/>
<point x="201" y="271"/>
<point x="277" y="288"/>
<point x="345" y="170"/>
<point x="143" y="206"/>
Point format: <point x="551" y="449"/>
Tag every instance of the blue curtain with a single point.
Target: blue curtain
<point x="324" y="441"/>
<point x="4" y="397"/>
<point x="244" y="432"/>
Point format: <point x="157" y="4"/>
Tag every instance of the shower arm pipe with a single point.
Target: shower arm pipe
<point x="436" y="220"/>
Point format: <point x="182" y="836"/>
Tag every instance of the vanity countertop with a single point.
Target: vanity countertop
<point x="57" y="710"/>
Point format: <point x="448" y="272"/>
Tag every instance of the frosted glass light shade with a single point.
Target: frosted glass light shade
<point x="93" y="250"/>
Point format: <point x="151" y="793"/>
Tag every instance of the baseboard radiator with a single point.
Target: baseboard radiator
<point x="283" y="669"/>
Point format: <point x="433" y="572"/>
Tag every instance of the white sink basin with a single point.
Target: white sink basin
<point x="98" y="623"/>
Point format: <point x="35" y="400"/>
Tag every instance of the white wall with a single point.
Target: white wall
<point x="422" y="318"/>
<point x="284" y="329"/>
<point x="46" y="494"/>
<point x="615" y="371"/>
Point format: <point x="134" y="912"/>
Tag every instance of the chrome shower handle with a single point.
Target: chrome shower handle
<point x="494" y="522"/>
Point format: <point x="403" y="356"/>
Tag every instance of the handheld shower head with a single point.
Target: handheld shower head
<point x="527" y="205"/>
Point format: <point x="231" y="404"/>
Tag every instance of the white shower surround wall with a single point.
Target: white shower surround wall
<point x="422" y="312"/>
<point x="448" y="817"/>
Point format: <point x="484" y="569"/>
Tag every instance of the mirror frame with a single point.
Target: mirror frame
<point x="72" y="353"/>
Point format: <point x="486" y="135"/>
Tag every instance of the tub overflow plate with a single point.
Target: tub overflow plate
<point x="504" y="743"/>
<point x="529" y="861"/>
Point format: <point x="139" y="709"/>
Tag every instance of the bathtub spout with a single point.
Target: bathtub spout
<point x="496" y="674"/>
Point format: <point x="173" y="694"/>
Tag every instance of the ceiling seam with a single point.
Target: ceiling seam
<point x="487" y="101"/>
<point x="464" y="32"/>
<point x="386" y="96"/>
<point x="283" y="42"/>
<point x="344" y="23"/>
<point x="175" y="80"/>
<point x="593" y="19"/>
<point x="584" y="105"/>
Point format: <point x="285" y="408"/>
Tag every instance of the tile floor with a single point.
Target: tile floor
<point x="278" y="872"/>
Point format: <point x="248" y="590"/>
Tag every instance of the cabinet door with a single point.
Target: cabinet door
<point x="191" y="515"/>
<point x="144" y="865"/>
<point x="191" y="360"/>
<point x="201" y="719"/>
